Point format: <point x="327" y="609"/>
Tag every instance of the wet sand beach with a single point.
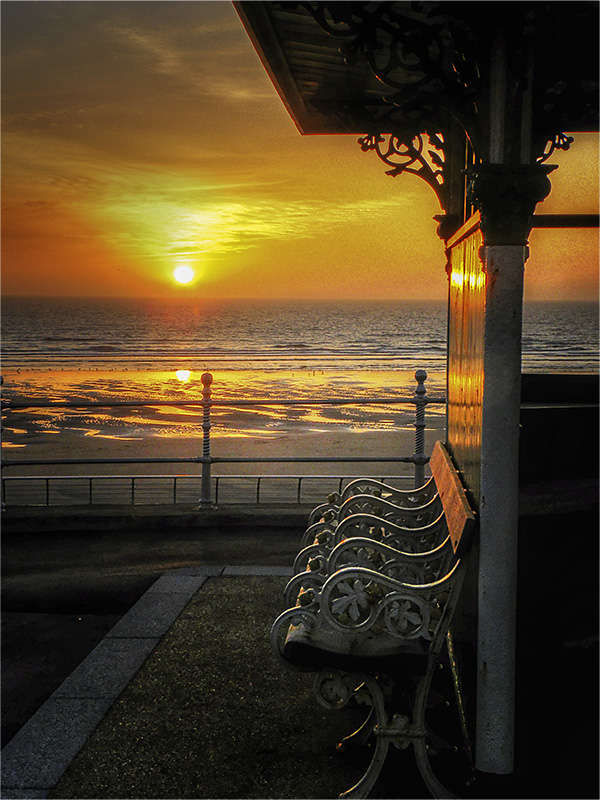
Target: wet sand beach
<point x="262" y="432"/>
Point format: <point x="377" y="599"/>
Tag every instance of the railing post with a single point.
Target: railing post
<point x="420" y="459"/>
<point x="205" y="488"/>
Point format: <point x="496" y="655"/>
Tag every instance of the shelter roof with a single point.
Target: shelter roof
<point x="368" y="67"/>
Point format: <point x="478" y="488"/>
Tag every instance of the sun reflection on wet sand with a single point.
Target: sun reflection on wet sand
<point x="257" y="423"/>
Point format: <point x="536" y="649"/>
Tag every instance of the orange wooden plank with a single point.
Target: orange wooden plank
<point x="459" y="516"/>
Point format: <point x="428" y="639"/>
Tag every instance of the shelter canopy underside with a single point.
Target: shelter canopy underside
<point x="356" y="67"/>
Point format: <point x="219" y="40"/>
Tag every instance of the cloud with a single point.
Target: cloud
<point x="213" y="59"/>
<point x="163" y="225"/>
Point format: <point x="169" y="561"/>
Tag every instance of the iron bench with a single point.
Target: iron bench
<point x="373" y="623"/>
<point x="369" y="487"/>
<point x="378" y="506"/>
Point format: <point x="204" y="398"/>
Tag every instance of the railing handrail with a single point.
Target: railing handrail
<point x="213" y="460"/>
<point x="11" y="405"/>
<point x="195" y="477"/>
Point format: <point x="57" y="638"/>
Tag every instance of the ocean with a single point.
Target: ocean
<point x="132" y="349"/>
<point x="156" y="334"/>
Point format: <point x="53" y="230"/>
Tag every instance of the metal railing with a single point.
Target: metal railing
<point x="167" y="490"/>
<point x="209" y="484"/>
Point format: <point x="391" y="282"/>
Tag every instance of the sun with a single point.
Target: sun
<point x="183" y="274"/>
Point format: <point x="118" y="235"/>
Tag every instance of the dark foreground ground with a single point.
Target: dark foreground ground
<point x="67" y="580"/>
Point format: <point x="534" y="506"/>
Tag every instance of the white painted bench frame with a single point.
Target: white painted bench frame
<point x="427" y="613"/>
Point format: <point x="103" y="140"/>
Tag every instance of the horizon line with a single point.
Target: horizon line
<point x="270" y="299"/>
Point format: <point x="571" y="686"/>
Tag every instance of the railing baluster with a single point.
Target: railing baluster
<point x="205" y="493"/>
<point x="420" y="392"/>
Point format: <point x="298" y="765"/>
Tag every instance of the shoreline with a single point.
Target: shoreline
<point x="229" y="382"/>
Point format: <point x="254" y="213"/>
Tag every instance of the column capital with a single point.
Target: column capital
<point x="506" y="197"/>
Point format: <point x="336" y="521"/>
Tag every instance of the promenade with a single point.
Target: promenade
<point x="178" y="694"/>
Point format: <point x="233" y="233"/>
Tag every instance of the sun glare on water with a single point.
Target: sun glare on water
<point x="183" y="274"/>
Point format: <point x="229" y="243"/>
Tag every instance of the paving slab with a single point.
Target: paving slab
<point x="42" y="750"/>
<point x="108" y="668"/>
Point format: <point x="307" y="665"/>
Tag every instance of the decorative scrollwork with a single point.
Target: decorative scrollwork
<point x="360" y="556"/>
<point x="352" y="603"/>
<point x="334" y="689"/>
<point x="293" y="617"/>
<point x="560" y="142"/>
<point x="404" y="47"/>
<point x="408" y="573"/>
<point x="301" y="584"/>
<point x="413" y="568"/>
<point x="406" y="616"/>
<point x="363" y="601"/>
<point x="356" y="604"/>
<point x="416" y="156"/>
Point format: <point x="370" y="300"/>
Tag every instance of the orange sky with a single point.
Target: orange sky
<point x="140" y="136"/>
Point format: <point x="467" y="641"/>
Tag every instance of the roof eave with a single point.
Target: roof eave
<point x="259" y="26"/>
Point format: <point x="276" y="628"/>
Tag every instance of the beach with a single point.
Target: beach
<point x="261" y="432"/>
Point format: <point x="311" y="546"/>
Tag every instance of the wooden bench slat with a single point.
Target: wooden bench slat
<point x="459" y="516"/>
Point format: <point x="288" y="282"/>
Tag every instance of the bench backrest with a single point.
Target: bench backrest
<point x="459" y="516"/>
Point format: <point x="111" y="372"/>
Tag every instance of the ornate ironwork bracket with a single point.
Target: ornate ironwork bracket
<point x="403" y="46"/>
<point x="416" y="157"/>
<point x="434" y="61"/>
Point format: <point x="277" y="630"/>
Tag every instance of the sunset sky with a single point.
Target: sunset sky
<point x="138" y="137"/>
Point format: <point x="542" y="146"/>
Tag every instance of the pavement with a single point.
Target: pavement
<point x="136" y="664"/>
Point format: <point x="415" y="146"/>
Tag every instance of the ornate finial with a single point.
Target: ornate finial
<point x="559" y="142"/>
<point x="206" y="379"/>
